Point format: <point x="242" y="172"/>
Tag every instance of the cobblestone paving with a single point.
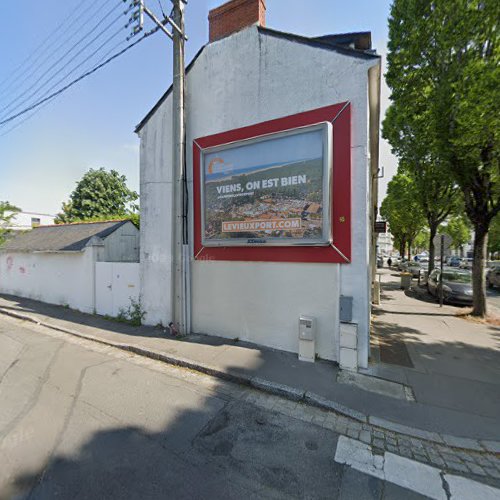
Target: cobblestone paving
<point x="478" y="465"/>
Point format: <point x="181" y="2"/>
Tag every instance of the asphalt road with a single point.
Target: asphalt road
<point x="79" y="420"/>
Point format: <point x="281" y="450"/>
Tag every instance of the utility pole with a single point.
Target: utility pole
<point x="180" y="293"/>
<point x="179" y="219"/>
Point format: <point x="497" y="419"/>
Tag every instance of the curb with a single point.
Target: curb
<point x="282" y="390"/>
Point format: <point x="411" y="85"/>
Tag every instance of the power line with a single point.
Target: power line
<point x="44" y="41"/>
<point x="112" y="37"/>
<point x="161" y="8"/>
<point x="80" y="78"/>
<point x="10" y="107"/>
<point x="49" y="54"/>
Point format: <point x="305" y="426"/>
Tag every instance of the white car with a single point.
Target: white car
<point x="466" y="263"/>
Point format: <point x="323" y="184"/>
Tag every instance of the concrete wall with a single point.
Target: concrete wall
<point x="74" y="279"/>
<point x="241" y="80"/>
<point x="56" y="278"/>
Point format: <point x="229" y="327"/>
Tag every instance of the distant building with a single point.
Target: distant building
<point x="385" y="244"/>
<point x="23" y="221"/>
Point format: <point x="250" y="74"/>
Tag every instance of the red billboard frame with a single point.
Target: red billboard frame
<point x="339" y="251"/>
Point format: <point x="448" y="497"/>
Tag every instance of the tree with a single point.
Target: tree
<point x="444" y="72"/>
<point x="7" y="213"/>
<point x="458" y="229"/>
<point x="99" y="195"/>
<point x="436" y="192"/>
<point x="402" y="211"/>
<point x="421" y="240"/>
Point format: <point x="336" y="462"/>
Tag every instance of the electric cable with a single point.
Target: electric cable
<point x="69" y="73"/>
<point x="42" y="45"/>
<point x="80" y="78"/>
<point x="10" y="107"/>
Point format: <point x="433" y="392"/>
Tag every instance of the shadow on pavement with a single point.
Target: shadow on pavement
<point x="80" y="318"/>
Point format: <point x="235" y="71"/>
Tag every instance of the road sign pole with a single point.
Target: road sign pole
<point x="441" y="274"/>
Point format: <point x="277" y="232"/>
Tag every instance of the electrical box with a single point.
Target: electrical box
<point x="307" y="338"/>
<point x="345" y="308"/>
<point x="307" y="328"/>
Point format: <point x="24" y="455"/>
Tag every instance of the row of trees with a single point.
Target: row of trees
<point x="443" y="122"/>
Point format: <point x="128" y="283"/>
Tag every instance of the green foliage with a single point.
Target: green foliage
<point x="134" y="314"/>
<point x="402" y="210"/>
<point x="494" y="235"/>
<point x="421" y="241"/>
<point x="459" y="229"/>
<point x="99" y="195"/>
<point x="7" y="213"/>
<point x="444" y="74"/>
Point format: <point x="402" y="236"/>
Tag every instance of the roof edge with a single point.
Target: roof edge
<point x="311" y="41"/>
<point x="166" y="94"/>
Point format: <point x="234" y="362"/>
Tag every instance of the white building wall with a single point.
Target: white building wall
<point x="238" y="81"/>
<point x="156" y="218"/>
<point x="22" y="221"/>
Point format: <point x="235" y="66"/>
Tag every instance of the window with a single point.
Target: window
<point x="35" y="221"/>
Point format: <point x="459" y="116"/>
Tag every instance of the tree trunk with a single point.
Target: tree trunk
<point x="402" y="246"/>
<point x="409" y="249"/>
<point x="478" y="277"/>
<point x="432" y="249"/>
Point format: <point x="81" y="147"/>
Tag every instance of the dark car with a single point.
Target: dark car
<point x="457" y="285"/>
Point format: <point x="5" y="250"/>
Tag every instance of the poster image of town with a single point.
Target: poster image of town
<point x="270" y="190"/>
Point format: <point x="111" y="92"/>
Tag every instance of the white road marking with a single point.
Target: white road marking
<point x="462" y="488"/>
<point x="359" y="456"/>
<point x="409" y="474"/>
<point x="414" y="476"/>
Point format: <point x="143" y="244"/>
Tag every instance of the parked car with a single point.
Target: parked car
<point x="493" y="276"/>
<point x="454" y="261"/>
<point x="457" y="285"/>
<point x="414" y="268"/>
<point x="465" y="263"/>
<point x="402" y="264"/>
<point x="380" y="261"/>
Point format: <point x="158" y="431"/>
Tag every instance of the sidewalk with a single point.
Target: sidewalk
<point x="281" y="373"/>
<point x="451" y="364"/>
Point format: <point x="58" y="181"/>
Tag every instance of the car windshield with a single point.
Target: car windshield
<point x="457" y="277"/>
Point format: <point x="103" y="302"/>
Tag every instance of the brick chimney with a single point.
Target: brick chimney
<point x="234" y="16"/>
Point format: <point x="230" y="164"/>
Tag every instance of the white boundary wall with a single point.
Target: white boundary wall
<point x="259" y="302"/>
<point x="67" y="278"/>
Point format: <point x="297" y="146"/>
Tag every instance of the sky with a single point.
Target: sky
<point x="92" y="124"/>
<point x="256" y="155"/>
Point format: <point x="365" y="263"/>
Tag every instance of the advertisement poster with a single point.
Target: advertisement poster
<point x="270" y="190"/>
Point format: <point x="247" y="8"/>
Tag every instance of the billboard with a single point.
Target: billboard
<point x="269" y="190"/>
